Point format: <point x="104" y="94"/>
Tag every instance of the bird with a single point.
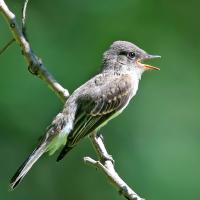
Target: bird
<point x="93" y="104"/>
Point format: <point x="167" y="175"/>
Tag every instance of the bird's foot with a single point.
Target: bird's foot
<point x="107" y="157"/>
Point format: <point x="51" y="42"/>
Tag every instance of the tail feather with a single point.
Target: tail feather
<point x="26" y="166"/>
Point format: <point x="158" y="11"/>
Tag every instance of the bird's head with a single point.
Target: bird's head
<point x="124" y="53"/>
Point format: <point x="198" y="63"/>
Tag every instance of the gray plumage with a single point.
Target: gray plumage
<point x="93" y="104"/>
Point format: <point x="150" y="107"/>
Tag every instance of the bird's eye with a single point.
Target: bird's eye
<point x="131" y="55"/>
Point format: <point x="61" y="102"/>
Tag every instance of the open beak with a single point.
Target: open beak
<point x="147" y="57"/>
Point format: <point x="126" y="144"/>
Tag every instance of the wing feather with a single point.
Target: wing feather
<point x="97" y="107"/>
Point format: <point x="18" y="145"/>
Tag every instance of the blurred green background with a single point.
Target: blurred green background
<point x="155" y="142"/>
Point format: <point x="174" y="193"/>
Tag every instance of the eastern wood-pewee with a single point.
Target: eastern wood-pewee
<point x="93" y="104"/>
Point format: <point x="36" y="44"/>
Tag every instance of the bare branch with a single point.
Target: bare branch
<point x="107" y="167"/>
<point x="6" y="46"/>
<point x="37" y="68"/>
<point x="35" y="64"/>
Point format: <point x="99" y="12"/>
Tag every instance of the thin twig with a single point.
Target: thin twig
<point x="24" y="8"/>
<point x="6" y="46"/>
<point x="37" y="68"/>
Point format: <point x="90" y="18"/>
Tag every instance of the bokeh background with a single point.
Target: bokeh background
<point x="155" y="142"/>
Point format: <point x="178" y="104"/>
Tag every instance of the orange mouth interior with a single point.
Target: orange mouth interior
<point x="148" y="67"/>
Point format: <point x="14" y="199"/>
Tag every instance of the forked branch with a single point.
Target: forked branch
<point x="35" y="64"/>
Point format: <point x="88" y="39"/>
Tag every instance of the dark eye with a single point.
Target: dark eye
<point x="131" y="55"/>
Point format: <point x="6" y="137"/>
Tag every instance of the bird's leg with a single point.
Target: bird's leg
<point x="97" y="141"/>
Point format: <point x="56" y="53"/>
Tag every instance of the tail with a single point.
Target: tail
<point x="26" y="166"/>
